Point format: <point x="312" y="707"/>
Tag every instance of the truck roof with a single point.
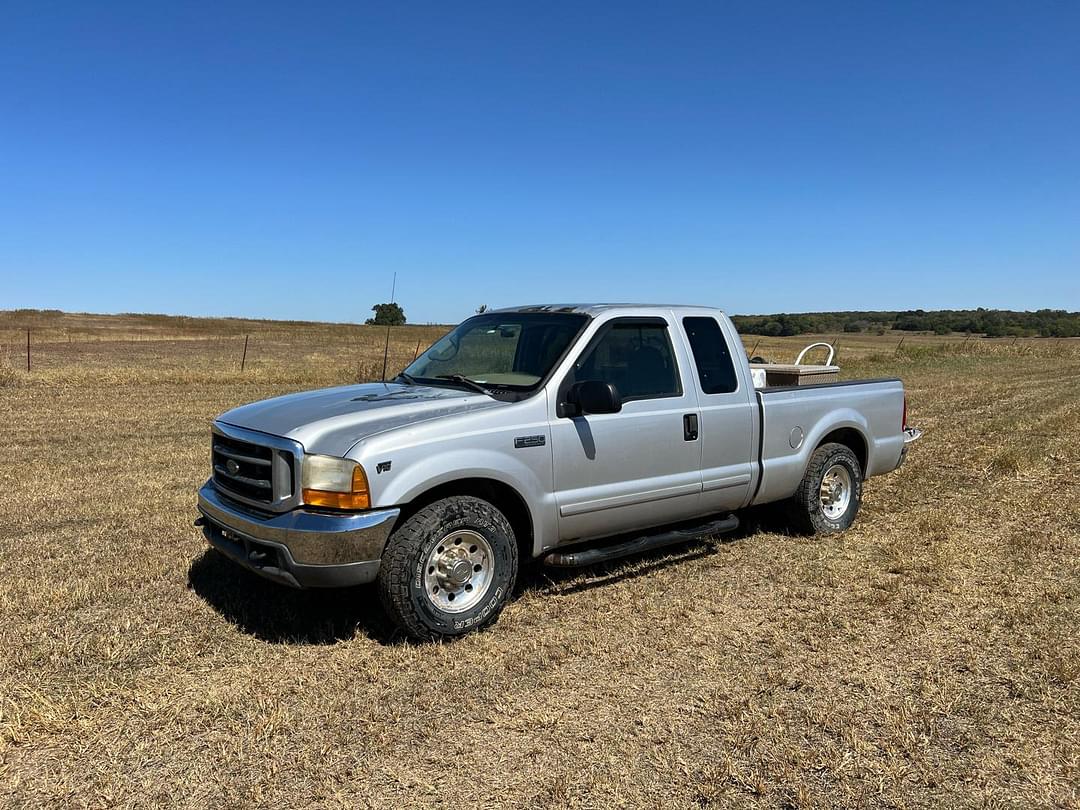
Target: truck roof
<point x="593" y="309"/>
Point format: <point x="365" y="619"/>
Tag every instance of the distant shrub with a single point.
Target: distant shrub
<point x="387" y="315"/>
<point x="772" y="329"/>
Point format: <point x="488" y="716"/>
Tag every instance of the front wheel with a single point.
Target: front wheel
<point x="449" y="569"/>
<point x="830" y="492"/>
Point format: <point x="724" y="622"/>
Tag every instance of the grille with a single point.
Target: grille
<point x="244" y="469"/>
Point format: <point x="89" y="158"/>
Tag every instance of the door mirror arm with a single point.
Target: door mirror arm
<point x="567" y="410"/>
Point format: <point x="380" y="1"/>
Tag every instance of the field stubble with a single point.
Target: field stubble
<point x="927" y="657"/>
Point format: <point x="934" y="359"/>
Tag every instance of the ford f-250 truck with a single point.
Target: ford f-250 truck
<point x="575" y="433"/>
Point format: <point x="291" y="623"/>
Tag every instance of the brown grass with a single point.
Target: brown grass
<point x="927" y="657"/>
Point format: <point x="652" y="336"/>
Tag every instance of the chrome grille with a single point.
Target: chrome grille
<point x="244" y="468"/>
<point x="254" y="468"/>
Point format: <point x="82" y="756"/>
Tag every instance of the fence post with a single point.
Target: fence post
<point x="243" y="360"/>
<point x="28" y="348"/>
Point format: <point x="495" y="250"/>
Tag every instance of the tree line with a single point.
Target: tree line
<point x="988" y="322"/>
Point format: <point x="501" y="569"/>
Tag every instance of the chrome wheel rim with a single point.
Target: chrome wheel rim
<point x="458" y="571"/>
<point x="835" y="491"/>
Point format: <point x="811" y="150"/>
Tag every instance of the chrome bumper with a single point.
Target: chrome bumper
<point x="299" y="548"/>
<point x="911" y="435"/>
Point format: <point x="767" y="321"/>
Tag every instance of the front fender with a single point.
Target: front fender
<point x="425" y="473"/>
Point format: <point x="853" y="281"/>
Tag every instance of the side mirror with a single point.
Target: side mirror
<point x="592" y="396"/>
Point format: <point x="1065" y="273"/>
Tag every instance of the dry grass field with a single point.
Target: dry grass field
<point x="928" y="657"/>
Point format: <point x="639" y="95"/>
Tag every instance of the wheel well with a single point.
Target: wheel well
<point x="502" y="496"/>
<point x="853" y="440"/>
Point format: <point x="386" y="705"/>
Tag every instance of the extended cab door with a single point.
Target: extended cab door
<point x="639" y="467"/>
<point x="728" y="416"/>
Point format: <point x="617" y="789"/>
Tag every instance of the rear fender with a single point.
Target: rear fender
<point x="784" y="465"/>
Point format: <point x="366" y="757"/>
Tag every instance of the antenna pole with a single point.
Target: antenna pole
<point x="386" y="346"/>
<point x="385" y="352"/>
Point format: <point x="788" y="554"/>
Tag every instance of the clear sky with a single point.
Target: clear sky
<point x="285" y="159"/>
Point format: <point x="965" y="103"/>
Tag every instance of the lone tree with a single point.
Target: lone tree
<point x="387" y="315"/>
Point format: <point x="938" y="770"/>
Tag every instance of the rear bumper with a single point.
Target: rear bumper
<point x="302" y="549"/>
<point x="911" y="435"/>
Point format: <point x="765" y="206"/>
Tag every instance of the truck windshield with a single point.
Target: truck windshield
<point x="511" y="352"/>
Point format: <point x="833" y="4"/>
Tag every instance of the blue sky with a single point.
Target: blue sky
<point x="284" y="160"/>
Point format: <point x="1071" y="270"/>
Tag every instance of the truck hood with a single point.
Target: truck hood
<point x="332" y="420"/>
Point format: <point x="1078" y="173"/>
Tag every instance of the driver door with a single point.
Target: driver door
<point x="640" y="467"/>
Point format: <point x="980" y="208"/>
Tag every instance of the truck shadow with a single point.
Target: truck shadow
<point x="280" y="615"/>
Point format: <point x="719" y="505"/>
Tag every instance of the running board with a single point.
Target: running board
<point x="637" y="545"/>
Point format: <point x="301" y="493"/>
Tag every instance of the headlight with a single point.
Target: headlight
<point x="335" y="482"/>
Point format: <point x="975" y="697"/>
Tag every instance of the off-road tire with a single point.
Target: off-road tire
<point x="401" y="580"/>
<point x="804" y="509"/>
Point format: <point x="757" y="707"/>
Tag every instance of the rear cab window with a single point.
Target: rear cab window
<point x="712" y="357"/>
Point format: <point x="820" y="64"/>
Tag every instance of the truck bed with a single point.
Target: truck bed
<point x="795" y="419"/>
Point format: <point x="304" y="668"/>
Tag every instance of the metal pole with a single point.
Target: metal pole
<point x="417" y="352"/>
<point x="385" y="352"/>
<point x="386" y="346"/>
<point x="243" y="360"/>
<point x="28" y="348"/>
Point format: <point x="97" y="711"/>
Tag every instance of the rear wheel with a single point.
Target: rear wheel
<point x="449" y="568"/>
<point x="830" y="492"/>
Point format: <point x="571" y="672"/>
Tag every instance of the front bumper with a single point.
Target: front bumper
<point x="301" y="548"/>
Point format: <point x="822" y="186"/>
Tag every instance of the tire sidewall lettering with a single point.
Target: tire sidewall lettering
<point x="499" y="541"/>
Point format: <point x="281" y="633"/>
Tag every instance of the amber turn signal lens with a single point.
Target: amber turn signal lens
<point x="359" y="498"/>
<point x="337" y="500"/>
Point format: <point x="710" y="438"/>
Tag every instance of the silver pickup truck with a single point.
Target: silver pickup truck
<point x="576" y="434"/>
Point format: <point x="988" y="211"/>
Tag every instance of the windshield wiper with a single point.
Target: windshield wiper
<point x="461" y="379"/>
<point x="409" y="378"/>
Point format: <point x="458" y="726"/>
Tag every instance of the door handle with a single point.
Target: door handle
<point x="690" y="427"/>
